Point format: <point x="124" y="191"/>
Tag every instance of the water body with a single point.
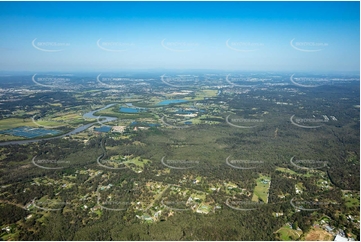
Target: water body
<point x="129" y="110"/>
<point x="29" y="132"/>
<point x="167" y="102"/>
<point x="107" y="119"/>
<point x="75" y="131"/>
<point x="103" y="129"/>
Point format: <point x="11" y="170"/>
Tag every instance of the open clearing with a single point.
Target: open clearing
<point x="287" y="233"/>
<point x="318" y="234"/>
<point x="261" y="190"/>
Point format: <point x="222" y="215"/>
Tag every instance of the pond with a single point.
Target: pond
<point x="172" y="101"/>
<point x="131" y="110"/>
<point x="29" y="132"/>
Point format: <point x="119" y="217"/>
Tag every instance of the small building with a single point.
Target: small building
<point x="118" y="129"/>
<point x="328" y="228"/>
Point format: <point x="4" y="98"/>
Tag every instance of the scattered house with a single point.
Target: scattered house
<point x="118" y="129"/>
<point x="328" y="228"/>
<point x="95" y="208"/>
<point x="325" y="118"/>
<point x="195" y="181"/>
<point x="7" y="229"/>
<point x="190" y="199"/>
<point x="298" y="191"/>
<point x="333" y="118"/>
<point x="156" y="215"/>
<point x="145" y="217"/>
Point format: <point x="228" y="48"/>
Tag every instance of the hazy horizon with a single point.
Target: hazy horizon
<point x="229" y="36"/>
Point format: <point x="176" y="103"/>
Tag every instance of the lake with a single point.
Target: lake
<point x="29" y="132"/>
<point x="167" y="102"/>
<point x="130" y="110"/>
<point x="104" y="129"/>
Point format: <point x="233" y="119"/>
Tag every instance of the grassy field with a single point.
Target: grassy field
<point x="119" y="159"/>
<point x="204" y="208"/>
<point x="49" y="123"/>
<point x="137" y="161"/>
<point x="200" y="95"/>
<point x="300" y="186"/>
<point x="287" y="233"/>
<point x="11" y="123"/>
<point x="352" y="202"/>
<point x="261" y="190"/>
<point x="5" y="137"/>
<point x="286" y="170"/>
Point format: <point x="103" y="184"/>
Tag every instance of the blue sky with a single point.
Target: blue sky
<point x="111" y="36"/>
